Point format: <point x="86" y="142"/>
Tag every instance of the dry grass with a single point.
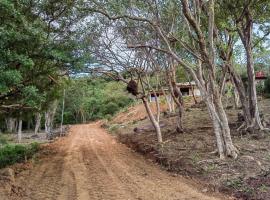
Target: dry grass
<point x="191" y="154"/>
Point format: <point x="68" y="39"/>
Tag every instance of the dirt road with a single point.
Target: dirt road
<point x="90" y="165"/>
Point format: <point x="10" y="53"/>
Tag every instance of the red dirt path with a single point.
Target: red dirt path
<point x="91" y="164"/>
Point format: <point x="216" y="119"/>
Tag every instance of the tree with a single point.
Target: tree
<point x="196" y="55"/>
<point x="38" y="47"/>
<point x="239" y="17"/>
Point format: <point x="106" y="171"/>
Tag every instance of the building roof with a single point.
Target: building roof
<point x="186" y="84"/>
<point x="260" y="75"/>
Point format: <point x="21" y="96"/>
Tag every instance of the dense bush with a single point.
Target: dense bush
<point x="110" y="108"/>
<point x="10" y="154"/>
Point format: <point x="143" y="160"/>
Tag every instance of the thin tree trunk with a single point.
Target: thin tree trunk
<point x="63" y="108"/>
<point x="11" y="124"/>
<point x="177" y="98"/>
<point x="49" y="117"/>
<point x="16" y="125"/>
<point x="239" y="85"/>
<point x="168" y="101"/>
<point x="217" y="130"/>
<point x="29" y="124"/>
<point x="236" y="98"/>
<point x="37" y="124"/>
<point x="221" y="128"/>
<point x="245" y="31"/>
<point x="172" y="103"/>
<point x="230" y="150"/>
<point x="192" y="91"/>
<point x="47" y="123"/>
<point x="152" y="119"/>
<point x="20" y="131"/>
<point x="253" y="101"/>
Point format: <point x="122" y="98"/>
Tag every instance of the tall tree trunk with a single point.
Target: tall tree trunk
<point x="11" y="124"/>
<point x="230" y="150"/>
<point x="173" y="104"/>
<point x="29" y="124"/>
<point x="212" y="97"/>
<point x="63" y="109"/>
<point x="192" y="91"/>
<point x="154" y="122"/>
<point x="47" y="123"/>
<point x="49" y="118"/>
<point x="236" y="98"/>
<point x="221" y="126"/>
<point x="20" y="131"/>
<point x="253" y="101"/>
<point x="177" y="98"/>
<point x="37" y="122"/>
<point x="180" y="106"/>
<point x="239" y="86"/>
<point x="245" y="30"/>
<point x="168" y="100"/>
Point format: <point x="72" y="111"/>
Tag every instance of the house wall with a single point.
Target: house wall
<point x="197" y="92"/>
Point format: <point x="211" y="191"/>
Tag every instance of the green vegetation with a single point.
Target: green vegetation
<point x="10" y="154"/>
<point x="32" y="59"/>
<point x="91" y="99"/>
<point x="267" y="87"/>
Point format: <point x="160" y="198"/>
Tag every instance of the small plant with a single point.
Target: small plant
<point x="113" y="128"/>
<point x="263" y="188"/>
<point x="239" y="185"/>
<point x="195" y="157"/>
<point x="209" y="168"/>
<point x="234" y="183"/>
<point x="248" y="190"/>
<point x="267" y="156"/>
<point x="108" y="117"/>
<point x="125" y="110"/>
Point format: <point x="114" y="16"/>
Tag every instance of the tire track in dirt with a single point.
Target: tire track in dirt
<point x="90" y="165"/>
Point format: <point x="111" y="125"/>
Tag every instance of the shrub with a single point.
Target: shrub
<point x="10" y="154"/>
<point x="124" y="101"/>
<point x="113" y="128"/>
<point x="260" y="88"/>
<point x="108" y="117"/>
<point x="111" y="108"/>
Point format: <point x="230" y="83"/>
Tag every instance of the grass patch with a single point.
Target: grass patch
<point x="234" y="183"/>
<point x="114" y="128"/>
<point x="11" y="154"/>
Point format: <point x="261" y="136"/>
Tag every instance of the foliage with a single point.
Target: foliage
<point x="93" y="98"/>
<point x="10" y="154"/>
<point x="37" y="50"/>
<point x="267" y="86"/>
<point x="260" y="88"/>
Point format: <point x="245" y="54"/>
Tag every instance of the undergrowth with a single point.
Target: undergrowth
<point x="14" y="153"/>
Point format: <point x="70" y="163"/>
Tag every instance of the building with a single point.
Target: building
<point x="260" y="76"/>
<point x="188" y="88"/>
